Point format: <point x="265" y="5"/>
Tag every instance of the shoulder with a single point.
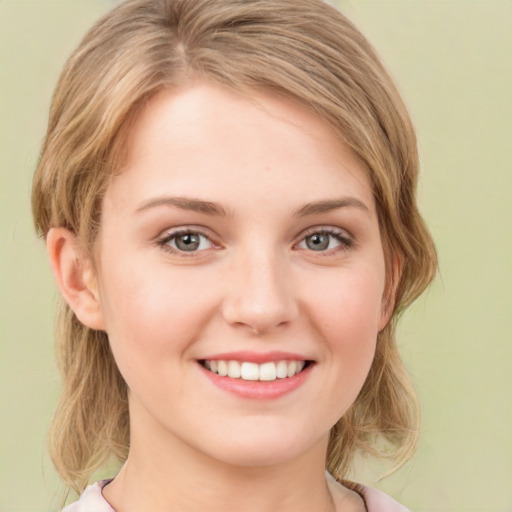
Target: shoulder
<point x="378" y="501"/>
<point x="361" y="496"/>
<point x="91" y="500"/>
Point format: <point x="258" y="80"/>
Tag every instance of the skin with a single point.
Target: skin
<point x="256" y="283"/>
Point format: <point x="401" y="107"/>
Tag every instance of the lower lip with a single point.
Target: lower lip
<point x="256" y="389"/>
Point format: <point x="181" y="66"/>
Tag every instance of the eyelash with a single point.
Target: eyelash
<point x="346" y="242"/>
<point x="168" y="237"/>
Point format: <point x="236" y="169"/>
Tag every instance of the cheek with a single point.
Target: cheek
<point x="349" y="301"/>
<point x="149" y="312"/>
<point x="347" y="312"/>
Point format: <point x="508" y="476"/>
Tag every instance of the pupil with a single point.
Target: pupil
<point x="317" y="242"/>
<point x="188" y="242"/>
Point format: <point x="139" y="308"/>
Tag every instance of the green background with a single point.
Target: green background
<point x="453" y="63"/>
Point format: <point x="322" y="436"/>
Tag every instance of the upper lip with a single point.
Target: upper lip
<point x="255" y="357"/>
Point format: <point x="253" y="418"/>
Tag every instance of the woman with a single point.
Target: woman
<point x="227" y="194"/>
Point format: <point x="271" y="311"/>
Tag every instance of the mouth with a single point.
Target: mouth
<point x="251" y="371"/>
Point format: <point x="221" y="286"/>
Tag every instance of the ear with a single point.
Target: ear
<point x="389" y="296"/>
<point x="75" y="277"/>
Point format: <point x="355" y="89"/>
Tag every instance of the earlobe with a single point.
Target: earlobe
<point x="75" y="277"/>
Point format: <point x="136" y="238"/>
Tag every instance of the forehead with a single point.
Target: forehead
<point x="209" y="139"/>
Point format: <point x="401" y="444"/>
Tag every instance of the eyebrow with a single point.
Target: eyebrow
<point x="329" y="205"/>
<point x="186" y="203"/>
<point x="215" y="209"/>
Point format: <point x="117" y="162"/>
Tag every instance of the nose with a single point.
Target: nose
<point x="260" y="294"/>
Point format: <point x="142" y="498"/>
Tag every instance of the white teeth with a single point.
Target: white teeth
<point x="292" y="367"/>
<point x="222" y="368"/>
<point x="281" y="370"/>
<point x="253" y="371"/>
<point x="234" y="369"/>
<point x="249" y="371"/>
<point x="268" y="371"/>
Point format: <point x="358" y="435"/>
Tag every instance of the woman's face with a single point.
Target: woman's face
<point x="240" y="236"/>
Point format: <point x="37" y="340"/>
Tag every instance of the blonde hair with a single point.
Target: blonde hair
<point x="305" y="49"/>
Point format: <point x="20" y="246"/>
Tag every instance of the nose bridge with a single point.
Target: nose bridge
<point x="260" y="293"/>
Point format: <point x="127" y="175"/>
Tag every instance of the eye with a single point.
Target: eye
<point x="185" y="241"/>
<point x="325" y="240"/>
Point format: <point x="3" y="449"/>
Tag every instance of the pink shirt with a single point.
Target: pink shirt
<point x="92" y="500"/>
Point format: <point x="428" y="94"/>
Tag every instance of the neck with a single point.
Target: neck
<point x="175" y="477"/>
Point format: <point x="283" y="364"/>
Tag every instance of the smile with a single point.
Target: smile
<point x="250" y="371"/>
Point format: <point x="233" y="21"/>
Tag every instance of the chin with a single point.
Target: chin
<point x="260" y="448"/>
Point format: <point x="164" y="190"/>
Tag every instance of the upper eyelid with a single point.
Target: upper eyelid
<point x="331" y="230"/>
<point x="167" y="236"/>
<point x="179" y="230"/>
